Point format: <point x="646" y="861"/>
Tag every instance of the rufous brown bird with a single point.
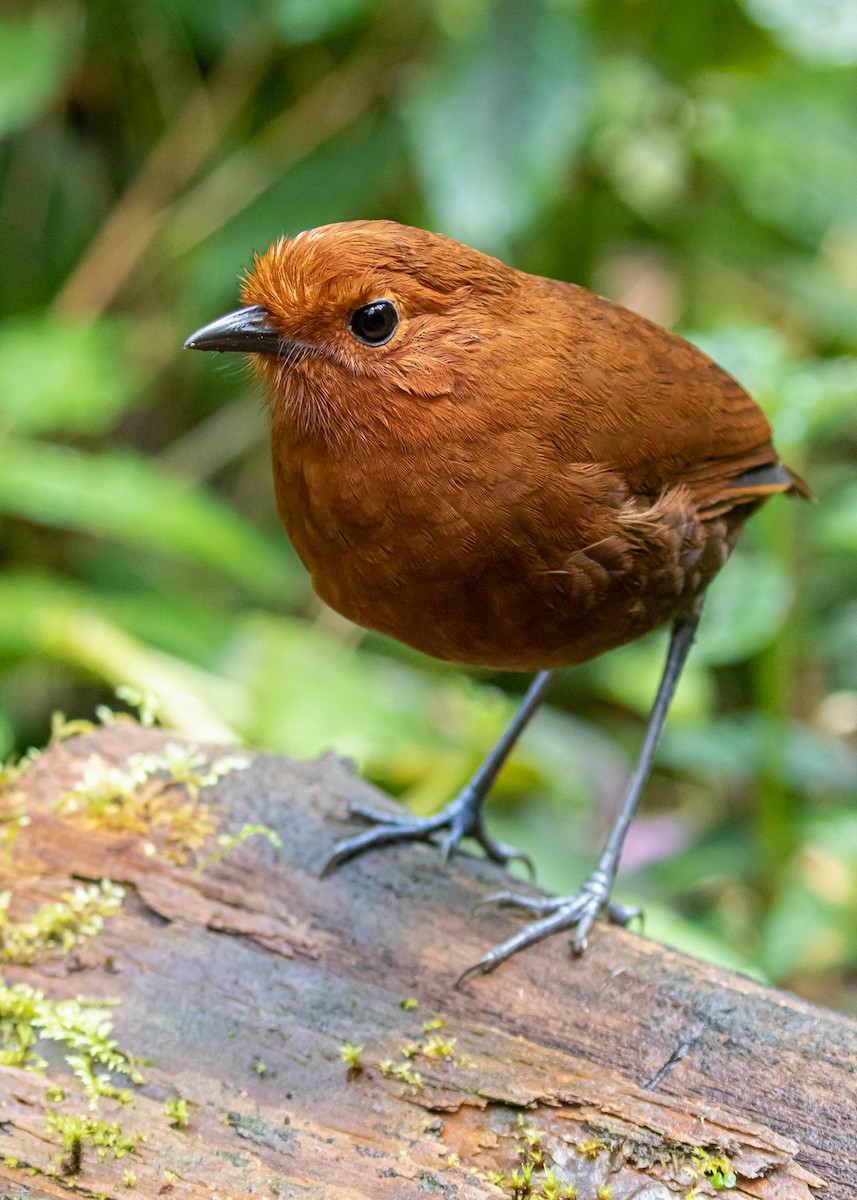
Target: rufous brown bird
<point x="499" y="469"/>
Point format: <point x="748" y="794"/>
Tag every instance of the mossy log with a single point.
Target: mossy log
<point x="302" y="1037"/>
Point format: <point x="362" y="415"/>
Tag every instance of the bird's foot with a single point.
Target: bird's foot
<point x="576" y="912"/>
<point x="461" y="818"/>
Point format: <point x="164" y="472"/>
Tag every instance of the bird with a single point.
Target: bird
<point x="501" y="470"/>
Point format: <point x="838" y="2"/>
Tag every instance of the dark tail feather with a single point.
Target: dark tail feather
<point x="768" y="479"/>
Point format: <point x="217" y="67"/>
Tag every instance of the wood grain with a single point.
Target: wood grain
<point x="241" y="983"/>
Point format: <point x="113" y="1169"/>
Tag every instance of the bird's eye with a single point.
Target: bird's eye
<point x="374" y="323"/>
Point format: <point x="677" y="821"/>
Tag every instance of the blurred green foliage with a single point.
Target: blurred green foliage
<point x="697" y="162"/>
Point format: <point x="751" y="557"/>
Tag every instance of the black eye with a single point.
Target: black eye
<point x="375" y="323"/>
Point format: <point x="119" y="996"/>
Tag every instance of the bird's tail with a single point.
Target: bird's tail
<point x="755" y="485"/>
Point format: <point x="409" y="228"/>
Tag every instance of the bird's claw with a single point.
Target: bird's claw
<point x="377" y="816"/>
<point x="459" y="818"/>
<point x="498" y="852"/>
<point x="390" y="828"/>
<point x="577" y="912"/>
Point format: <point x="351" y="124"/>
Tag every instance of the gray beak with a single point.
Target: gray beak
<point x="247" y="329"/>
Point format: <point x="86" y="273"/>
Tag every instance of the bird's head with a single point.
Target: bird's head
<point x="357" y="322"/>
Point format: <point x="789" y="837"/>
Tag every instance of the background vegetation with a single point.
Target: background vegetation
<point x="697" y="162"/>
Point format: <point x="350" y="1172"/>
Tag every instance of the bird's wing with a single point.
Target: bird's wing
<point x="663" y="414"/>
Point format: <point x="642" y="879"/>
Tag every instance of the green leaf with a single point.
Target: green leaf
<point x="801" y="399"/>
<point x="757" y="356"/>
<point x="753" y="745"/>
<point x="811" y="928"/>
<point x="337" y="182"/>
<point x="180" y="625"/>
<point x="309" y="20"/>
<point x="59" y="375"/>
<point x="6" y="735"/>
<point x="825" y="33"/>
<point x="745" y="608"/>
<point x="789" y="148"/>
<point x="629" y="677"/>
<point x="48" y="619"/>
<point x="667" y="927"/>
<point x="817" y="399"/>
<point x="638" y="136"/>
<point x="495" y="130"/>
<point x="419" y="735"/>
<point x="836" y="525"/>
<point x="310" y="692"/>
<point x="124" y="496"/>
<point x="36" y="54"/>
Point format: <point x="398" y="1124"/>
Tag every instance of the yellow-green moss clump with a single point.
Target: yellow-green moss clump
<point x="77" y="916"/>
<point x="78" y="1133"/>
<point x="535" y="1178"/>
<point x="81" y="1027"/>
<point x="156" y="795"/>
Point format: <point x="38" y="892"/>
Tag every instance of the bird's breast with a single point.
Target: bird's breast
<point x="489" y="571"/>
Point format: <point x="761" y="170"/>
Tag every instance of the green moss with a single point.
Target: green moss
<point x="13" y="769"/>
<point x="79" y="1133"/>
<point x="147" y="715"/>
<point x="228" y="841"/>
<point x="439" y="1047"/>
<point x="63" y="729"/>
<point x="81" y="1027"/>
<point x="533" y="1179"/>
<point x="431" y="1045"/>
<point x="552" y="1189"/>
<point x="714" y="1165"/>
<point x="706" y="1164"/>
<point x="156" y="795"/>
<point x="13" y="802"/>
<point x="13" y="818"/>
<point x="177" y="1114"/>
<point x="350" y="1055"/>
<point x="406" y="1074"/>
<point x="77" y="916"/>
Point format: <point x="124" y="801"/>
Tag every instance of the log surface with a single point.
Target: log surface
<point x="630" y="1072"/>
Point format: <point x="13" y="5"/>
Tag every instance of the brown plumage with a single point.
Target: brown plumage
<point x="526" y="475"/>
<point x="522" y="475"/>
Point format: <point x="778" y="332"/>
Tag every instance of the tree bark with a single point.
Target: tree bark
<point x="632" y="1072"/>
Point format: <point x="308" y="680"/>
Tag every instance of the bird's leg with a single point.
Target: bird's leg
<point x="462" y="817"/>
<point x="578" y="911"/>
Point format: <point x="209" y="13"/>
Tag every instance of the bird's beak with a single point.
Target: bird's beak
<point x="248" y="330"/>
